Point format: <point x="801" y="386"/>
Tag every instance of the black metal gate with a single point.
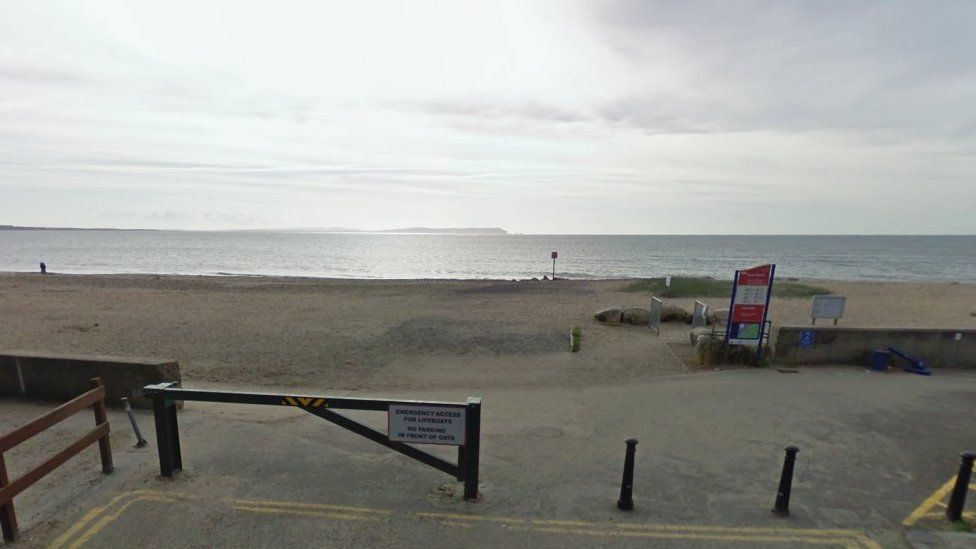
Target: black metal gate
<point x="165" y="396"/>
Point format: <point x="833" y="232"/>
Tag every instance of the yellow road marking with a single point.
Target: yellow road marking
<point x="477" y="518"/>
<point x="934" y="499"/>
<point x="456" y="524"/>
<point x="326" y="514"/>
<point x="98" y="518"/>
<point x="301" y="505"/>
<point x="929" y="502"/>
<point x="742" y="529"/>
<point x="689" y="536"/>
<point x="88" y="517"/>
<point x="562" y="522"/>
<point x="107" y="519"/>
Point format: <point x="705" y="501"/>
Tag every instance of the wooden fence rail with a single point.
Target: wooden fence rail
<point x="95" y="398"/>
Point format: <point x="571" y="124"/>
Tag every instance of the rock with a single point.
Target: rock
<point x="613" y="314"/>
<point x="638" y="316"/>
<point x="670" y="313"/>
<point x="545" y="277"/>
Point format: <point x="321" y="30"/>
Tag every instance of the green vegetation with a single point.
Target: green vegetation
<point x="575" y="335"/>
<point x="711" y="351"/>
<point x="962" y="526"/>
<point x="704" y="286"/>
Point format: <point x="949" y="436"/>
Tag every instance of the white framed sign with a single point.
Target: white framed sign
<point x="427" y="423"/>
<point x="828" y="306"/>
<point x="654" y="321"/>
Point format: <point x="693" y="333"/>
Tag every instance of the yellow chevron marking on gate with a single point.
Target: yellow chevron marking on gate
<point x="304" y="402"/>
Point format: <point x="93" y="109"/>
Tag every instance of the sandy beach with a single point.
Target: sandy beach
<point x="359" y="335"/>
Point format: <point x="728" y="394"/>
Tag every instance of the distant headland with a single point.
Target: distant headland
<point x="408" y="230"/>
<point x="417" y="230"/>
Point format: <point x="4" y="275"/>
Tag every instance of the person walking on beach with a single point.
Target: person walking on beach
<point x="43" y="268"/>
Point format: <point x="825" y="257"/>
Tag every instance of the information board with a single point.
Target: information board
<point x="427" y="423"/>
<point x="751" y="290"/>
<point x="828" y="306"/>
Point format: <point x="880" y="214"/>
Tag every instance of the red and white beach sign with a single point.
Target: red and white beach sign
<point x="749" y="304"/>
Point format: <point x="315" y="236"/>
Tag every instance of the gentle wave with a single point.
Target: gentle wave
<point x="496" y="257"/>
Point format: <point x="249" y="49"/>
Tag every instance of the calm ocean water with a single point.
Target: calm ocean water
<point x="946" y="258"/>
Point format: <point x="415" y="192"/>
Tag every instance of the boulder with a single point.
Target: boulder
<point x="637" y="316"/>
<point x="613" y="314"/>
<point x="672" y="313"/>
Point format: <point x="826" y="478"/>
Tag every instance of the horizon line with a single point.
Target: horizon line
<point x="400" y="231"/>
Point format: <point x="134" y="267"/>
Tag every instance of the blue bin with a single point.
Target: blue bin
<point x="881" y="360"/>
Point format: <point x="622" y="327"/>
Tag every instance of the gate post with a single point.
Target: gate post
<point x="471" y="449"/>
<point x="167" y="431"/>
<point x="8" y="518"/>
<point x="101" y="416"/>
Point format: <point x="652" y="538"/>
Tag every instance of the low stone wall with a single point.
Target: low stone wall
<point x="938" y="348"/>
<point x="61" y="377"/>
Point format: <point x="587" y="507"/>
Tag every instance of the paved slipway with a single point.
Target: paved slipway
<point x="874" y="448"/>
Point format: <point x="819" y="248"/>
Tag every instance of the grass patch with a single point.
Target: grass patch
<point x="962" y="526"/>
<point x="712" y="351"/>
<point x="706" y="286"/>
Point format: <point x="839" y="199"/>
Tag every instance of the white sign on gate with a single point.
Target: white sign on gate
<point x="427" y="423"/>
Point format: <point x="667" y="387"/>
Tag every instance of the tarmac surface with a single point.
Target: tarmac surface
<point x="875" y="449"/>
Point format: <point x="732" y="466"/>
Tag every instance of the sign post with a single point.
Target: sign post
<point x="554" y="256"/>
<point x="749" y="305"/>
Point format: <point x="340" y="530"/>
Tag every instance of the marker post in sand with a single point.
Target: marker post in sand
<point x="554" y="255"/>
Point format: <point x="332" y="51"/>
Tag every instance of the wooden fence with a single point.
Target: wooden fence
<point x="95" y="398"/>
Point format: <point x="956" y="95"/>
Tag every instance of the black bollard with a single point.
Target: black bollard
<point x="958" y="498"/>
<point x="782" y="507"/>
<point x="626" y="501"/>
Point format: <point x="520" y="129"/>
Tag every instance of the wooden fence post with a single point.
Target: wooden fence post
<point x="8" y="519"/>
<point x="101" y="416"/>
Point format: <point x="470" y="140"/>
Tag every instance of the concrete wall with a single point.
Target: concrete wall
<point x="938" y="348"/>
<point x="61" y="377"/>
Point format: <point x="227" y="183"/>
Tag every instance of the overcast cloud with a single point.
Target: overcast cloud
<point x="572" y="117"/>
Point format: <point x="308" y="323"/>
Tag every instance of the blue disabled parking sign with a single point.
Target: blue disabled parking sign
<point x="806" y="338"/>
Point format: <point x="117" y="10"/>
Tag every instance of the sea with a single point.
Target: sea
<point x="515" y="256"/>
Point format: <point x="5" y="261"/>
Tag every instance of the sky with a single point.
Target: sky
<point x="609" y="117"/>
